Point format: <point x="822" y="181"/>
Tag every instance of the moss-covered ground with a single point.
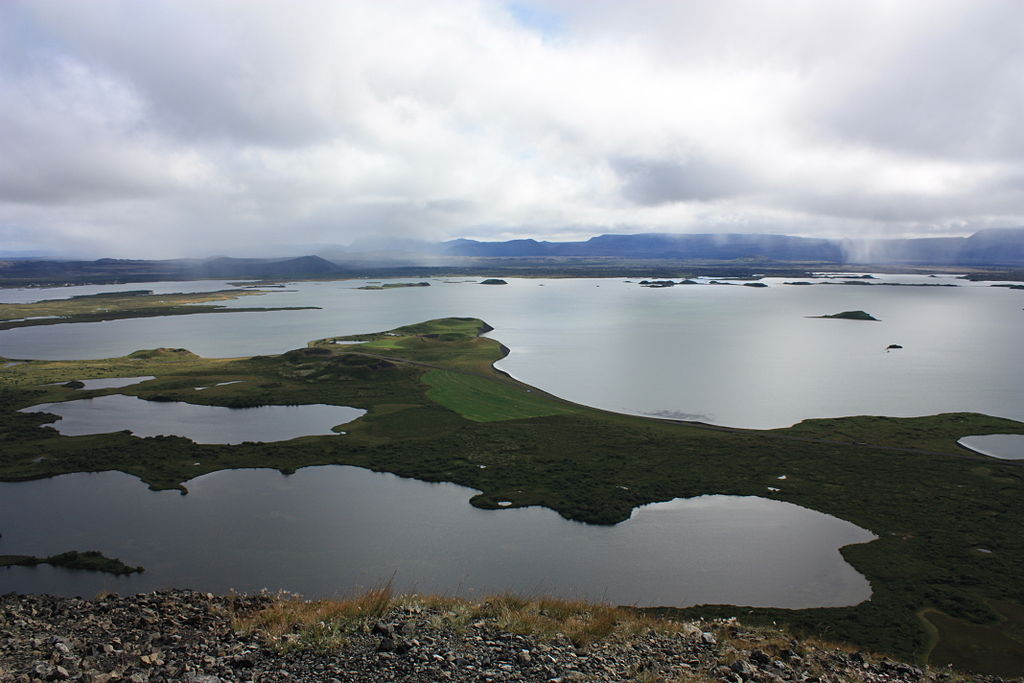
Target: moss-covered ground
<point x="437" y="410"/>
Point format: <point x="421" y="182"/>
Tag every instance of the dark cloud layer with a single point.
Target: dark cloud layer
<point x="201" y="126"/>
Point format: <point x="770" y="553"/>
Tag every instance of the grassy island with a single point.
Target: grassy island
<point x="90" y="308"/>
<point x="394" y="285"/>
<point x="848" y="315"/>
<point x="89" y="560"/>
<point x="438" y="411"/>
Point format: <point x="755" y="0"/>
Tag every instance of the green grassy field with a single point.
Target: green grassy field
<point x="438" y="410"/>
<point x="485" y="400"/>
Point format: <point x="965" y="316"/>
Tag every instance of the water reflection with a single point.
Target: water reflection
<point x="328" y="530"/>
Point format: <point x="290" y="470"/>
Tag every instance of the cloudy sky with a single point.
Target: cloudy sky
<point x="192" y="127"/>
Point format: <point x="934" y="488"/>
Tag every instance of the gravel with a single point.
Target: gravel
<point x="191" y="637"/>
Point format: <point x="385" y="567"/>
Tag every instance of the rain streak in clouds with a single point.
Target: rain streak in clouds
<point x="191" y="127"/>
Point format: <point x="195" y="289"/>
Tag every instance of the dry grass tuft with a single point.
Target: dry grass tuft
<point x="318" y="624"/>
<point x="324" y="624"/>
<point x="581" y="622"/>
<point x="769" y="639"/>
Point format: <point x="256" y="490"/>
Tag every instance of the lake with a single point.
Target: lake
<point x="730" y="355"/>
<point x="202" y="424"/>
<point x="1005" y="446"/>
<point x="328" y="530"/>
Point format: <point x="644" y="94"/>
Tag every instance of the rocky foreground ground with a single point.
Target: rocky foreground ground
<point x="200" y="638"/>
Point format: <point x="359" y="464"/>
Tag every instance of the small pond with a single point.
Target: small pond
<point x="113" y="382"/>
<point x="329" y="530"/>
<point x="202" y="424"/>
<point x="1005" y="446"/>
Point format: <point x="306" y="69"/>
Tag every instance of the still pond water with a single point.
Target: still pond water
<point x="328" y="530"/>
<point x="1004" y="446"/>
<point x="730" y="355"/>
<point x="202" y="424"/>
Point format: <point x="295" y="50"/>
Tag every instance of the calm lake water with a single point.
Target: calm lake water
<point x="1005" y="446"/>
<point x="202" y="424"/>
<point x="113" y="382"/>
<point x="328" y="530"/>
<point x="731" y="355"/>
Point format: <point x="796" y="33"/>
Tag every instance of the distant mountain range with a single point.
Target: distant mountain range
<point x="661" y="246"/>
<point x="999" y="248"/>
<point x="1002" y="247"/>
<point x="108" y="270"/>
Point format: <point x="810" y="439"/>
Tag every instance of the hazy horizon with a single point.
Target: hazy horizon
<point x="169" y="129"/>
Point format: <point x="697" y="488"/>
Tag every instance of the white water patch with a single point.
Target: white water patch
<point x="202" y="424"/>
<point x="220" y="384"/>
<point x="34" y="317"/>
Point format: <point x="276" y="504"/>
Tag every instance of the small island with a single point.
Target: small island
<point x="394" y="285"/>
<point x="493" y="281"/>
<point x="848" y="315"/>
<point x="89" y="560"/>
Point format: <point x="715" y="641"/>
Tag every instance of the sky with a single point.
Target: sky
<point x="172" y="128"/>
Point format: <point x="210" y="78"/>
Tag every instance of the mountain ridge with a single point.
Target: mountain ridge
<point x="380" y="257"/>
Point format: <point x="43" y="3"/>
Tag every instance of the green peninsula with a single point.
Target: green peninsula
<point x="439" y="411"/>
<point x="91" y="308"/>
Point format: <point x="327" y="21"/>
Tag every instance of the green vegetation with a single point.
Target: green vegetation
<point x="90" y="560"/>
<point x="848" y="315"/>
<point x="484" y="400"/>
<point x="439" y="411"/>
<point x="395" y="285"/>
<point x="493" y="281"/>
<point x="991" y="648"/>
<point x="119" y="305"/>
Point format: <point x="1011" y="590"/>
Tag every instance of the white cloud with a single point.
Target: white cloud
<point x="191" y="126"/>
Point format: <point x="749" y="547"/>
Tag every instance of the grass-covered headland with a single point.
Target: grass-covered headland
<point x="139" y="303"/>
<point x="944" y="570"/>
